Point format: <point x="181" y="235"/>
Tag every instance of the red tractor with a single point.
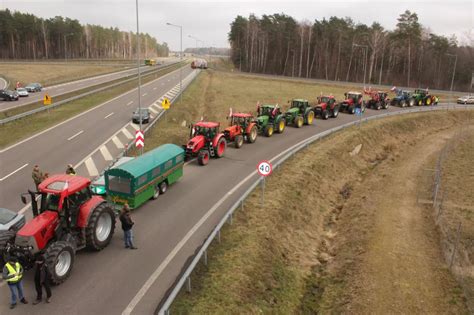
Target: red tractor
<point x="242" y="128"/>
<point x="68" y="218"/>
<point x="206" y="141"/>
<point x="352" y="101"/>
<point x="326" y="107"/>
<point x="378" y="99"/>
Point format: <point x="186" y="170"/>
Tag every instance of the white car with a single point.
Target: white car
<point x="468" y="99"/>
<point x="11" y="221"/>
<point x="22" y="92"/>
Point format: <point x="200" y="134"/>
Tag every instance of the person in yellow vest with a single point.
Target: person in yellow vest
<point x="13" y="274"/>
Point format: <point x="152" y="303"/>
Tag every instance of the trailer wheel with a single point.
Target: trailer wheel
<point x="268" y="131"/>
<point x="163" y="187"/>
<point x="281" y="125"/>
<point x="60" y="259"/>
<point x="299" y="122"/>
<point x="220" y="147"/>
<point x="203" y="157"/>
<point x="156" y="193"/>
<point x="252" y="136"/>
<point x="100" y="228"/>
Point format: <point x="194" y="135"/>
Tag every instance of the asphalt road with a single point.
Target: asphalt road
<point x="73" y="140"/>
<point x="76" y="85"/>
<point x="167" y="232"/>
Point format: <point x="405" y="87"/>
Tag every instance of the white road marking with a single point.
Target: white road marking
<point x="130" y="103"/>
<point x="127" y="133"/>
<point x="17" y="170"/>
<point x="145" y="94"/>
<point x="105" y="153"/>
<point x="143" y="290"/>
<point x="75" y="135"/>
<point x="117" y="142"/>
<point x="154" y="111"/>
<point x="91" y="168"/>
<point x="109" y="115"/>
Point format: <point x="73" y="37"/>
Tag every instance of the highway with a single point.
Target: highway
<point x="167" y="230"/>
<point x="74" y="139"/>
<point x="77" y="85"/>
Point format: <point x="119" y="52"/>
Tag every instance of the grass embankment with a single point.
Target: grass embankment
<point x="16" y="130"/>
<point x="458" y="208"/>
<point x="54" y="73"/>
<point x="304" y="250"/>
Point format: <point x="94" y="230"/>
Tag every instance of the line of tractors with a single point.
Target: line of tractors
<point x="207" y="141"/>
<point x="68" y="217"/>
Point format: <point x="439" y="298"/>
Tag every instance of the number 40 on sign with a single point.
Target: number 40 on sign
<point x="264" y="168"/>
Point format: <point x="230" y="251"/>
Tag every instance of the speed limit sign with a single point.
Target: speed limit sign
<point x="264" y="168"/>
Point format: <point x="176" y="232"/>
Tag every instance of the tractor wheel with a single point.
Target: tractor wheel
<point x="412" y="102"/>
<point x="163" y="187"/>
<point x="203" y="157"/>
<point x="309" y="118"/>
<point x="325" y="115"/>
<point x="220" y="147"/>
<point x="385" y="105"/>
<point x="428" y="101"/>
<point x="352" y="110"/>
<point x="403" y="103"/>
<point x="299" y="121"/>
<point x="420" y="103"/>
<point x="268" y="131"/>
<point x="5" y="237"/>
<point x="252" y="136"/>
<point x="60" y="259"/>
<point x="335" y="112"/>
<point x="281" y="126"/>
<point x="378" y="106"/>
<point x="100" y="228"/>
<point x="238" y="141"/>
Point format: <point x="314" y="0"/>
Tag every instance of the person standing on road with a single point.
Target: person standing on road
<point x="70" y="170"/>
<point x="13" y="274"/>
<point x="37" y="176"/>
<point x="127" y="225"/>
<point x="42" y="280"/>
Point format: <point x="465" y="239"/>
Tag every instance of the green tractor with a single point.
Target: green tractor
<point x="422" y="97"/>
<point x="300" y="113"/>
<point x="270" y="119"/>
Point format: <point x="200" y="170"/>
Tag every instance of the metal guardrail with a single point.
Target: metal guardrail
<point x="44" y="108"/>
<point x="281" y="158"/>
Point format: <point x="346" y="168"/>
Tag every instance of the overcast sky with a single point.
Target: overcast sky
<point x="210" y="20"/>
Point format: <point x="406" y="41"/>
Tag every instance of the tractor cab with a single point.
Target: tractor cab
<point x="206" y="129"/>
<point x="326" y="99"/>
<point x="356" y="97"/>
<point x="421" y="92"/>
<point x="268" y="110"/>
<point x="241" y="119"/>
<point x="300" y="104"/>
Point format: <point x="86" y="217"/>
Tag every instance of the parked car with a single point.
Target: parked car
<point x="145" y="114"/>
<point x="8" y="95"/>
<point x="468" y="99"/>
<point x="98" y="185"/>
<point x="22" y="92"/>
<point x="10" y="220"/>
<point x="34" y="87"/>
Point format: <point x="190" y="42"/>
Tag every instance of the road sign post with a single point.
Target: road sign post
<point x="165" y="104"/>
<point x="47" y="100"/>
<point x="139" y="139"/>
<point x="264" y="168"/>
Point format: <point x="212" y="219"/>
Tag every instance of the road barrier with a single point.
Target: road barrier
<point x="185" y="277"/>
<point x="73" y="98"/>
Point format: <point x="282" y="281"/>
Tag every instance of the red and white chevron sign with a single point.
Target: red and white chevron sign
<point x="139" y="139"/>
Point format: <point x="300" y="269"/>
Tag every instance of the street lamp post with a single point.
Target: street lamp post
<point x="65" y="46"/>
<point x="454" y="71"/>
<point x="139" y="74"/>
<point x="366" y="48"/>
<point x="196" y="42"/>
<point x="181" y="58"/>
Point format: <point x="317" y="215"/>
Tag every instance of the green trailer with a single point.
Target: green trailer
<point x="145" y="177"/>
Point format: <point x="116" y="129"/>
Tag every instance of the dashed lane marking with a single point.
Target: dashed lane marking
<point x="109" y="115"/>
<point x="130" y="103"/>
<point x="17" y="170"/>
<point x="75" y="135"/>
<point x="127" y="133"/>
